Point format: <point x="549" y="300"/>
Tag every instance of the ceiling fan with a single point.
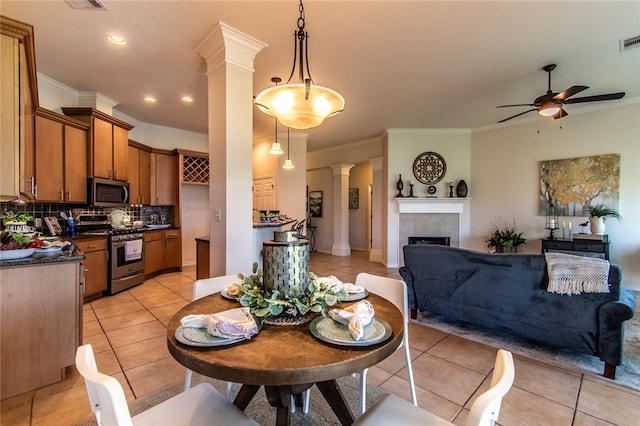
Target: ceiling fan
<point x="550" y="104"/>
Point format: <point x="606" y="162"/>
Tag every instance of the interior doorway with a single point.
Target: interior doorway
<point x="265" y="194"/>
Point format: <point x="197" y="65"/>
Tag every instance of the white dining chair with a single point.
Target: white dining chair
<point x="395" y="291"/>
<point x="200" y="405"/>
<point x="484" y="411"/>
<point x="205" y="287"/>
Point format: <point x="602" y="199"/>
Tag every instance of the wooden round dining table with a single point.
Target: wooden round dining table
<point x="285" y="359"/>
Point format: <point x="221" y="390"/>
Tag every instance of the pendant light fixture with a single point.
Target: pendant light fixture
<point x="304" y="104"/>
<point x="275" y="147"/>
<point x="287" y="163"/>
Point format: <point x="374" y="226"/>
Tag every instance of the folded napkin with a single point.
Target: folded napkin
<point x="355" y="317"/>
<point x="352" y="288"/>
<point x="331" y="283"/>
<point x="236" y="322"/>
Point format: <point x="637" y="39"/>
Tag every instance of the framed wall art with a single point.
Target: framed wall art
<point x="575" y="183"/>
<point x="353" y="198"/>
<point x="315" y="203"/>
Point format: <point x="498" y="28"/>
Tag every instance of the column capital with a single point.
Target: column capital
<point x="341" y="169"/>
<point x="225" y="43"/>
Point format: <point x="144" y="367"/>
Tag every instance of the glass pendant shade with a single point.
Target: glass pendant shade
<point x="549" y="109"/>
<point x="287" y="164"/>
<point x="276" y="149"/>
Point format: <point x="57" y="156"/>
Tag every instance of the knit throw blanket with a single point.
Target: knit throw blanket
<point x="569" y="274"/>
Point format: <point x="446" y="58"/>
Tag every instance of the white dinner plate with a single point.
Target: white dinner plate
<point x="16" y="254"/>
<point x="354" y="296"/>
<point x="330" y="331"/>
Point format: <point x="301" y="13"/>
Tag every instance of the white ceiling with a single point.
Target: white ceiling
<point x="399" y="64"/>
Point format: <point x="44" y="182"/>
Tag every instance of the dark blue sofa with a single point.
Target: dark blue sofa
<point x="508" y="292"/>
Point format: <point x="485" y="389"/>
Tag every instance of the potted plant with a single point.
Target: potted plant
<point x="505" y="239"/>
<point x="598" y="215"/>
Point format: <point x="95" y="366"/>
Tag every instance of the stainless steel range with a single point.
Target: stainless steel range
<point x="126" y="251"/>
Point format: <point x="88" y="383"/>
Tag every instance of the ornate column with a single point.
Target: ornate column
<point x="229" y="55"/>
<point x="341" y="245"/>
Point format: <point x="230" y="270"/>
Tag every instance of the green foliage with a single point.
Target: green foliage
<point x="318" y="298"/>
<point x="602" y="210"/>
<point x="14" y="216"/>
<point x="505" y="236"/>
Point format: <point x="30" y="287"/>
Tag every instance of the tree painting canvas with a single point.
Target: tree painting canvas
<point x="573" y="184"/>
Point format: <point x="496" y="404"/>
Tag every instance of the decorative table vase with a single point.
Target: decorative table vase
<point x="462" y="189"/>
<point x="285" y="263"/>
<point x="597" y="225"/>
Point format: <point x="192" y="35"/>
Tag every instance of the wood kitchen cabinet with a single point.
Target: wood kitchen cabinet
<point x="163" y="178"/>
<point x="40" y="324"/>
<point x="172" y="249"/>
<point x="139" y="173"/>
<point x="60" y="158"/>
<point x="18" y="98"/>
<point x="153" y="252"/>
<point x="108" y="155"/>
<point x="96" y="266"/>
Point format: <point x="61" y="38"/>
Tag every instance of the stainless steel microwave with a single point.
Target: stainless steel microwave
<point x="107" y="193"/>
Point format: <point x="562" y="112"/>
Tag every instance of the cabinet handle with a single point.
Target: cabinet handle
<point x="68" y="195"/>
<point x="110" y="174"/>
<point x="35" y="192"/>
<point x="115" y="174"/>
<point x="32" y="180"/>
<point x="62" y="194"/>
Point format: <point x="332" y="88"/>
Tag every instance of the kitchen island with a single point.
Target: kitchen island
<point x="40" y="318"/>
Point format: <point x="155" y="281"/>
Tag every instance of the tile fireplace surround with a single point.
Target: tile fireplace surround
<point x="431" y="217"/>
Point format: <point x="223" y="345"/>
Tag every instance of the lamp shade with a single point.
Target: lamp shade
<point x="292" y="107"/>
<point x="276" y="149"/>
<point x="549" y="109"/>
<point x="288" y="164"/>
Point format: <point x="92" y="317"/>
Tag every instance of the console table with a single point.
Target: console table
<point x="579" y="247"/>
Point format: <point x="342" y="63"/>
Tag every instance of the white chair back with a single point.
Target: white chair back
<point x="207" y="286"/>
<point x="392" y="289"/>
<point x="486" y="408"/>
<point x="106" y="396"/>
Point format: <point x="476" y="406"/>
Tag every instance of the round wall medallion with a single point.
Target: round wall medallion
<point x="431" y="190"/>
<point x="429" y="167"/>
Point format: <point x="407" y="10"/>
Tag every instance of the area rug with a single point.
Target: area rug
<point x="320" y="414"/>
<point x="627" y="374"/>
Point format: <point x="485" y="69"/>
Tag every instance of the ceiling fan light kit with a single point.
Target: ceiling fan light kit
<point x="550" y="104"/>
<point x="301" y="105"/>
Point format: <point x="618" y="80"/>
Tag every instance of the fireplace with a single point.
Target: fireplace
<point x="441" y="241"/>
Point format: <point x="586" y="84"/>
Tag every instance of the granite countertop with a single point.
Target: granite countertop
<point x="67" y="254"/>
<point x="273" y="224"/>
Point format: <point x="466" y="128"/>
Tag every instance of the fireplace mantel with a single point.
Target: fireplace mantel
<point x="431" y="205"/>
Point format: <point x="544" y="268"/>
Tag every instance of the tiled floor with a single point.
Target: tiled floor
<point x="128" y="334"/>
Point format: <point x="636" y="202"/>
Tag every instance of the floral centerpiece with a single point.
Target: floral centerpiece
<point x="505" y="238"/>
<point x="297" y="303"/>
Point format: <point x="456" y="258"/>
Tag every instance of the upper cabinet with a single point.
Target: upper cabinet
<point x="60" y="158"/>
<point x="163" y="178"/>
<point x="18" y="99"/>
<point x="139" y="173"/>
<point x="108" y="155"/>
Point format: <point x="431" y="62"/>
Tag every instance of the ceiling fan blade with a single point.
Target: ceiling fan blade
<point x="569" y="92"/>
<point x="517" y="115"/>
<point x="560" y="114"/>
<point x="514" y="105"/>
<point x="595" y="98"/>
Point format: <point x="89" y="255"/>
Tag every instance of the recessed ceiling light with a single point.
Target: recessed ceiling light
<point x="150" y="99"/>
<point x="117" y="40"/>
<point x="187" y="99"/>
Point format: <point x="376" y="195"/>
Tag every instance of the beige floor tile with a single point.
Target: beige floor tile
<point x="116" y="299"/>
<point x="446" y="379"/>
<point x="520" y="407"/>
<point x="582" y="419"/>
<point x="145" y="378"/>
<point x="423" y="338"/>
<point x="62" y="408"/>
<point x="376" y="376"/>
<point x="90" y="328"/>
<point x="609" y="403"/>
<point x="98" y="341"/>
<point x="118" y="310"/>
<point x="143" y="352"/>
<point x="168" y="310"/>
<point x="152" y="302"/>
<point x="397" y="361"/>
<point x="126" y="320"/>
<point x="16" y="410"/>
<point x="136" y="333"/>
<point x="88" y="314"/>
<point x="547" y="381"/>
<point x="472" y="355"/>
<point x="107" y="363"/>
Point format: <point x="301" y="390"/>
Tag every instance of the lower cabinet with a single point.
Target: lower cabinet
<point x="162" y="251"/>
<point x="40" y="324"/>
<point x="96" y="266"/>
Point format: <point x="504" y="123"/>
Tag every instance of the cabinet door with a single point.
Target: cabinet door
<point x="134" y="180"/>
<point x="96" y="265"/>
<point x="120" y="153"/>
<point x="153" y="256"/>
<point x="164" y="177"/>
<point x="10" y="117"/>
<point x="102" y="149"/>
<point x="172" y="249"/>
<point x="144" y="176"/>
<point x="48" y="156"/>
<point x="75" y="164"/>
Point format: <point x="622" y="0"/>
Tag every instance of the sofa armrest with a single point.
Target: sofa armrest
<point x="407" y="276"/>
<point x="611" y="328"/>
